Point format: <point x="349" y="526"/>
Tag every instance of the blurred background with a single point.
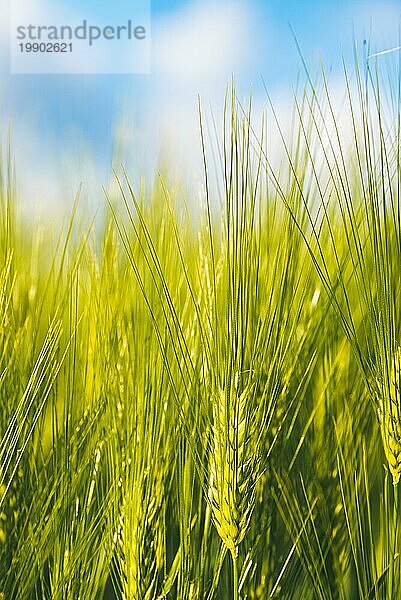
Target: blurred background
<point x="68" y="129"/>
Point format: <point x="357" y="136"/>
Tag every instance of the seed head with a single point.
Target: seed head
<point x="389" y="413"/>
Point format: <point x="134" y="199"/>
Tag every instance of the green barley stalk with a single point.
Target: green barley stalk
<point x="233" y="467"/>
<point x="353" y="234"/>
<point x="389" y="414"/>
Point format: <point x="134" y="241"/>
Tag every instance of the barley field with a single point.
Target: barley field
<point x="208" y="406"/>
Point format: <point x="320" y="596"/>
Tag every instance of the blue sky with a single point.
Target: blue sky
<point x="61" y="122"/>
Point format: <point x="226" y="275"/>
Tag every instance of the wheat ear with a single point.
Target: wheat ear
<point x="389" y="413"/>
<point x="232" y="467"/>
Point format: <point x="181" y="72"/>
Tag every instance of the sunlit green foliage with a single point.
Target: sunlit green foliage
<point x="210" y="407"/>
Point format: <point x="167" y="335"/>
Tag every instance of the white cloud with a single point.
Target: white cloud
<point x="197" y="49"/>
<point x="204" y="42"/>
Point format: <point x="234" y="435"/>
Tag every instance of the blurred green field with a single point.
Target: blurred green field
<point x="210" y="407"/>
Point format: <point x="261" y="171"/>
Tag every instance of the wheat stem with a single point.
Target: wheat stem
<point x="392" y="587"/>
<point x="235" y="576"/>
